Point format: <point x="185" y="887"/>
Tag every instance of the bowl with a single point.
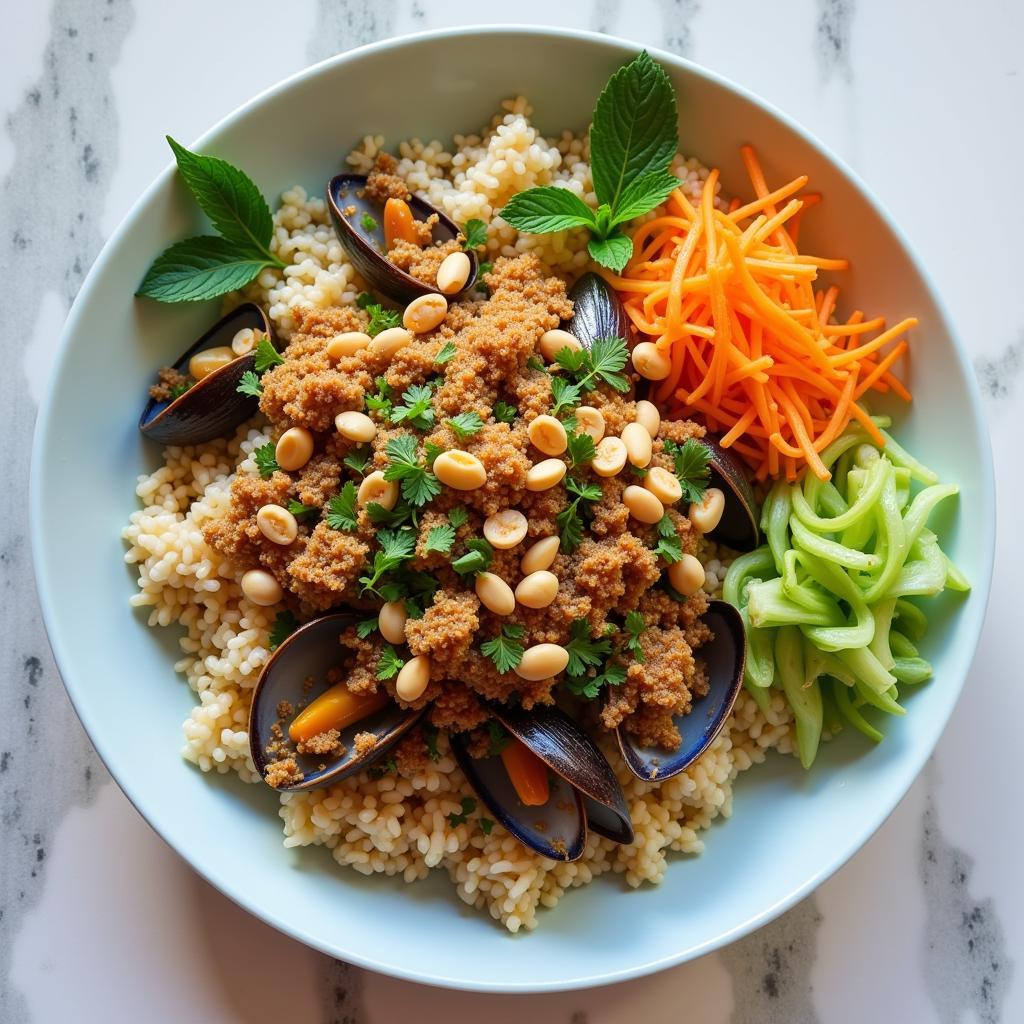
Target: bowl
<point x="790" y="829"/>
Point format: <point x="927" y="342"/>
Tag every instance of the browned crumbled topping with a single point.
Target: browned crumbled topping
<point x="167" y="379"/>
<point x="382" y="183"/>
<point x="284" y="710"/>
<point x="363" y="743"/>
<point x="446" y="630"/>
<point x="327" y="742"/>
<point x="283" y="773"/>
<point x="422" y="261"/>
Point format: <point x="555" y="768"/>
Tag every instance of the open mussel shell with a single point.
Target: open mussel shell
<point x="557" y="829"/>
<point x="724" y="657"/>
<point x="570" y="753"/>
<point x="739" y="528"/>
<point x="597" y="311"/>
<point x="212" y="407"/>
<point x="310" y="653"/>
<point x="359" y="224"/>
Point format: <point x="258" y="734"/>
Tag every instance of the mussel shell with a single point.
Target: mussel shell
<point x="310" y="652"/>
<point x="739" y="528"/>
<point x="724" y="656"/>
<point x="569" y="752"/>
<point x="365" y="248"/>
<point x="557" y="829"/>
<point x="212" y="407"/>
<point x="597" y="311"/>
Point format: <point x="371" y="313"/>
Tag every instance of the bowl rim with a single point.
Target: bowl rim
<point x="149" y="809"/>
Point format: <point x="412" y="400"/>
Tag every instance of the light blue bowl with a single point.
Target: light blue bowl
<point x="790" y="829"/>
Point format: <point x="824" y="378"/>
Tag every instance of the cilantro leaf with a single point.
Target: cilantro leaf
<point x="179" y="389"/>
<point x="364" y="300"/>
<point x="440" y="538"/>
<point x="266" y="460"/>
<point x="475" y="232"/>
<point x="571" y="359"/>
<point x="396" y="547"/>
<point x="466" y="424"/>
<point x="299" y="510"/>
<point x="381" y="401"/>
<point x="418" y="408"/>
<point x="497" y="738"/>
<point x="477" y="558"/>
<point x="341" y="509"/>
<point x="547" y="208"/>
<point x="250" y="385"/>
<point x="584" y="651"/>
<point x="459" y="818"/>
<point x="382" y="768"/>
<point x="580" y="449"/>
<point x="389" y="664"/>
<point x="284" y="625"/>
<point x="570" y="527"/>
<point x="583" y="489"/>
<point x="602" y="362"/>
<point x="670" y="545"/>
<point x="533" y="363"/>
<point x="481" y="285"/>
<point x="446" y="353"/>
<point x="432" y="450"/>
<point x="430" y="734"/>
<point x="486" y="826"/>
<point x="419" y="485"/>
<point x="505" y="413"/>
<point x="692" y="466"/>
<point x="368" y="222"/>
<point x="566" y="395"/>
<point x="366" y="627"/>
<point x="357" y="458"/>
<point x="266" y="355"/>
<point x="458" y="516"/>
<point x="381" y="319"/>
<point x="635" y="626"/>
<point x="504" y="650"/>
<point x="589" y="687"/>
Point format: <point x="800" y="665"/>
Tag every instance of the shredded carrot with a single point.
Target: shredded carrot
<point x="754" y="341"/>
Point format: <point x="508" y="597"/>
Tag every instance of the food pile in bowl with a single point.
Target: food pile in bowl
<point x="462" y="500"/>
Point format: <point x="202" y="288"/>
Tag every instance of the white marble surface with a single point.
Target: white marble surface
<point x="100" y="921"/>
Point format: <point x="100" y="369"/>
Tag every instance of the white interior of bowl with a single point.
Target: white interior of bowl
<point x="790" y="829"/>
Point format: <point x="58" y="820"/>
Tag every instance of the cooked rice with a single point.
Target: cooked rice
<point x="395" y="825"/>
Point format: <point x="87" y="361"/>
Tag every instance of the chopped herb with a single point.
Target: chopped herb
<point x="396" y="547"/>
<point x="446" y="354"/>
<point x="584" y="651"/>
<point x="364" y="300"/>
<point x="440" y="538"/>
<point x="485" y="268"/>
<point x="639" y="471"/>
<point x="670" y="545"/>
<point x="692" y="466"/>
<point x="468" y="807"/>
<point x="533" y="363"/>
<point x="585" y="490"/>
<point x="589" y="687"/>
<point x="266" y="355"/>
<point x="419" y="485"/>
<point x="570" y="523"/>
<point x="389" y="664"/>
<point x="497" y="738"/>
<point x="299" y="510"/>
<point x="381" y="401"/>
<point x="580" y="449"/>
<point x="341" y="509"/>
<point x="402" y="513"/>
<point x="381" y="319"/>
<point x="635" y="627"/>
<point x="486" y="826"/>
<point x="266" y="460"/>
<point x="566" y="395"/>
<point x="458" y="516"/>
<point x="368" y="222"/>
<point x="476" y="234"/>
<point x="412" y="586"/>
<point x="505" y="413"/>
<point x="179" y="389"/>
<point x="248" y="385"/>
<point x="378" y="771"/>
<point x="432" y="450"/>
<point x="418" y="408"/>
<point x="366" y="627"/>
<point x="477" y="558"/>
<point x="466" y="424"/>
<point x="357" y="458"/>
<point x="603" y="361"/>
<point x="284" y="625"/>
<point x="430" y="733"/>
<point x="505" y="650"/>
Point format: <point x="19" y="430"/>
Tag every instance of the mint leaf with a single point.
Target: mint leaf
<point x="475" y="232"/>
<point x="544" y="209"/>
<point x="612" y="252"/>
<point x="643" y="194"/>
<point x="229" y="197"/>
<point x="634" y="131"/>
<point x="199" y="268"/>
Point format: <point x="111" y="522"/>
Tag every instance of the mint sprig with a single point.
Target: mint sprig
<point x="633" y="139"/>
<point x="207" y="266"/>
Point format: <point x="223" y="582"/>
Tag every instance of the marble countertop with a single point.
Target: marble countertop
<point x="100" y="921"/>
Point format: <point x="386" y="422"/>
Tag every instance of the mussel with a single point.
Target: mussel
<point x="359" y="223"/>
<point x="597" y="311"/>
<point x="579" y="789"/>
<point x="212" y="406"/>
<point x="739" y="527"/>
<point x="724" y="657"/>
<point x="310" y="653"/>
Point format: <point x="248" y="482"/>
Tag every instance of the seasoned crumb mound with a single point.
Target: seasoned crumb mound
<point x="283" y="773"/>
<point x="168" y="378"/>
<point x="327" y="742"/>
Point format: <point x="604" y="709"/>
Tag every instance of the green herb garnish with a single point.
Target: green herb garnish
<point x="476" y="559"/>
<point x="497" y="738"/>
<point x="486" y="826"/>
<point x="179" y="389"/>
<point x="389" y="664"/>
<point x="634" y="627"/>
<point x="210" y="265"/>
<point x="485" y="268"/>
<point x="299" y="510"/>
<point x="466" y="424"/>
<point x="341" y="509"/>
<point x="692" y="466"/>
<point x="381" y="319"/>
<point x="432" y="450"/>
<point x="440" y="538"/>
<point x="584" y="651"/>
<point x="569" y="520"/>
<point x="458" y="516"/>
<point x="589" y="686"/>
<point x="601" y="362"/>
<point x="284" y="625"/>
<point x="475" y="232"/>
<point x="367" y="626"/>
<point x="669" y="546"/>
<point x="633" y="139"/>
<point x="566" y="395"/>
<point x="430" y="734"/>
<point x="266" y="460"/>
<point x="396" y="547"/>
<point x="266" y="356"/>
<point x="357" y="458"/>
<point x="580" y="449"/>
<point x="533" y="363"/>
<point x="418" y="408"/>
<point x="249" y="385"/>
<point x="468" y="807"/>
<point x="368" y="222"/>
<point x="381" y="401"/>
<point x="378" y="771"/>
<point x="419" y="485"/>
<point x="505" y="413"/>
<point x="505" y="650"/>
<point x="446" y="353"/>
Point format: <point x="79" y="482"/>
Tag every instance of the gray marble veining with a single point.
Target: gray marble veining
<point x="1000" y="376"/>
<point x="64" y="133"/>
<point x="833" y="32"/>
<point x="344" y="24"/>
